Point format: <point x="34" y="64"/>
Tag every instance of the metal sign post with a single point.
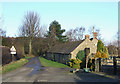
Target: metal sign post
<point x="13" y="52"/>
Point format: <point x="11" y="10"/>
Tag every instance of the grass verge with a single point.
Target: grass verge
<point x="49" y="63"/>
<point x="13" y="65"/>
<point x="29" y="56"/>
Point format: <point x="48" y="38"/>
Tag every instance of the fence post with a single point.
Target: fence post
<point x="96" y="65"/>
<point x="100" y="64"/>
<point x="13" y="57"/>
<point x="115" y="65"/>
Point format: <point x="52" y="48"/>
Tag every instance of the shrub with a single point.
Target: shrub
<point x="6" y="56"/>
<point x="104" y="55"/>
<point x="92" y="64"/>
<point x="81" y="56"/>
<point x="100" y="46"/>
<point x="75" y="63"/>
<point x="18" y="55"/>
<point x="105" y="50"/>
<point x="102" y="49"/>
<point x="98" y="55"/>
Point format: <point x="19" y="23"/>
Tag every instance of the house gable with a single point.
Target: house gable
<point x="85" y="44"/>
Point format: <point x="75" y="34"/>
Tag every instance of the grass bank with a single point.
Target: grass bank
<point x="49" y="63"/>
<point x="13" y="65"/>
<point x="29" y="56"/>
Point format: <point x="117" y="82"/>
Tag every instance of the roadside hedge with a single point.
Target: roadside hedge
<point x="6" y="56"/>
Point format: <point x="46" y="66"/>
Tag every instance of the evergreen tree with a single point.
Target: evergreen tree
<point x="102" y="49"/>
<point x="105" y="50"/>
<point x="100" y="46"/>
<point x="58" y="31"/>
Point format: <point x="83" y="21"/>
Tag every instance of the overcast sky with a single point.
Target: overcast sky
<point x="102" y="15"/>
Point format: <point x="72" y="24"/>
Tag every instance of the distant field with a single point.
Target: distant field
<point x="49" y="63"/>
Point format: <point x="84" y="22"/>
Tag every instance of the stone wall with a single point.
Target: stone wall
<point x="85" y="44"/>
<point x="58" y="57"/>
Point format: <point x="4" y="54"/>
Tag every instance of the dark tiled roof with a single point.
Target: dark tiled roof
<point x="65" y="48"/>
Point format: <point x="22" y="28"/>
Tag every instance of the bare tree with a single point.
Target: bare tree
<point x="90" y="31"/>
<point x="70" y="35"/>
<point x="112" y="49"/>
<point x="30" y="27"/>
<point x="2" y="32"/>
<point x="113" y="46"/>
<point x="98" y="34"/>
<point x="42" y="32"/>
<point x="93" y="29"/>
<point x="76" y="34"/>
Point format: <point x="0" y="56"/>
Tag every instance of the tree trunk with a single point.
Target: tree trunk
<point x="23" y="52"/>
<point x="96" y="65"/>
<point x="86" y="61"/>
<point x="30" y="47"/>
<point x="23" y="48"/>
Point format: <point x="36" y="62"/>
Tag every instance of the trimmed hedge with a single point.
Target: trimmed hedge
<point x="6" y="56"/>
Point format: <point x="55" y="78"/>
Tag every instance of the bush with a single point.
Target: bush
<point x="81" y="56"/>
<point x="75" y="63"/>
<point x="39" y="46"/>
<point x="6" y="56"/>
<point x="105" y="50"/>
<point x="104" y="55"/>
<point x="98" y="55"/>
<point x="100" y="46"/>
<point x="6" y="41"/>
<point x="18" y="55"/>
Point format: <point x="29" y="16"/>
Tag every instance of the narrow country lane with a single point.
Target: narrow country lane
<point x="24" y="73"/>
<point x="33" y="72"/>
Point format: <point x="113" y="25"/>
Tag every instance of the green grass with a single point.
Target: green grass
<point x="13" y="65"/>
<point x="28" y="56"/>
<point x="49" y="63"/>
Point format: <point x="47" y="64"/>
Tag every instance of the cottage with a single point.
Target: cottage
<point x="64" y="52"/>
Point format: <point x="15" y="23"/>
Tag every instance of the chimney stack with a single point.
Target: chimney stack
<point x="95" y="35"/>
<point x="87" y="36"/>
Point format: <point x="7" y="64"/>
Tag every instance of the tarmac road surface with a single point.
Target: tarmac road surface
<point x="34" y="72"/>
